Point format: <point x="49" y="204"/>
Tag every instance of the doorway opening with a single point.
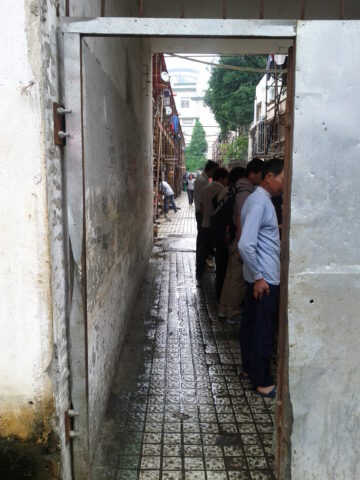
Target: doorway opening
<point x="113" y="119"/>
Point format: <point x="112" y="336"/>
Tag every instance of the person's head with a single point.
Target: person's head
<point x="273" y="176"/>
<point x="235" y="174"/>
<point x="220" y="175"/>
<point x="210" y="167"/>
<point x="253" y="170"/>
<point x="190" y="176"/>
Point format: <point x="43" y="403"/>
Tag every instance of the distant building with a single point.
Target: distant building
<point x="189" y="90"/>
<point x="267" y="131"/>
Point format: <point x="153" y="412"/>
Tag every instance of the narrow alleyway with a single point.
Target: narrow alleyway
<point x="178" y="409"/>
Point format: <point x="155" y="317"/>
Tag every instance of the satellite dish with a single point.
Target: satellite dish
<point x="165" y="76"/>
<point x="168" y="110"/>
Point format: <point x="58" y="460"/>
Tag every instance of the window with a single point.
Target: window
<point x="258" y="111"/>
<point x="185" y="101"/>
<point x="187" y="122"/>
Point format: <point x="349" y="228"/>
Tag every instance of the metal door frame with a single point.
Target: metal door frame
<point x="74" y="30"/>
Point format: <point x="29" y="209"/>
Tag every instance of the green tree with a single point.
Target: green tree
<point x="195" y="152"/>
<point x="231" y="93"/>
<point x="235" y="151"/>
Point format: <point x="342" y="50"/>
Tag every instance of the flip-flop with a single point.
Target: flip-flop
<point x="271" y="394"/>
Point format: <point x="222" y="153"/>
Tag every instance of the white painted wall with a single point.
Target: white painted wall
<point x="25" y="291"/>
<point x="324" y="274"/>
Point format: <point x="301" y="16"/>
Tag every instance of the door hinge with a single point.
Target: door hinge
<point x="60" y="134"/>
<point x="69" y="425"/>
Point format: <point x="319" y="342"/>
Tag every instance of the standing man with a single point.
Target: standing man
<point x="207" y="197"/>
<point x="201" y="182"/>
<point x="259" y="247"/>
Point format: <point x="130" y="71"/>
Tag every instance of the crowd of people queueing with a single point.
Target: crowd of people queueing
<point x="238" y="223"/>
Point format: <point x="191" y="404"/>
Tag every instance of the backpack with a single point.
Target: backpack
<point x="222" y="220"/>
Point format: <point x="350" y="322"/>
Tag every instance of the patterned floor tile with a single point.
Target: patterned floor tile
<point x="178" y="410"/>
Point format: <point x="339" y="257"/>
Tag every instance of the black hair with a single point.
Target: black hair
<point x="274" y="166"/>
<point x="210" y="165"/>
<point x="220" y="173"/>
<point x="235" y="174"/>
<point x="255" y="165"/>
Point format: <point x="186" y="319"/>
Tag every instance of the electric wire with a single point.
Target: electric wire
<point x="232" y="67"/>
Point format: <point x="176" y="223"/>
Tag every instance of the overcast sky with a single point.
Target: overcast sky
<point x="204" y="70"/>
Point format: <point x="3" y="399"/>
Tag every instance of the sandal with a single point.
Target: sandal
<point x="271" y="394"/>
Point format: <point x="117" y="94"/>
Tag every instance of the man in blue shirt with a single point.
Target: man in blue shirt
<point x="259" y="248"/>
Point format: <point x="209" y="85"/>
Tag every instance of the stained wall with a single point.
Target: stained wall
<point x="27" y="405"/>
<point x="118" y="179"/>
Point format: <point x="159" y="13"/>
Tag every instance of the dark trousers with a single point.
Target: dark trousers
<point x="190" y="194"/>
<point x="203" y="249"/>
<point x="257" y="334"/>
<point x="221" y="261"/>
<point x="169" y="199"/>
<point x="199" y="219"/>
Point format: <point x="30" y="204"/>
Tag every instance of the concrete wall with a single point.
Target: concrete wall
<point x="28" y="324"/>
<point x="324" y="275"/>
<point x="118" y="176"/>
<point x="118" y="192"/>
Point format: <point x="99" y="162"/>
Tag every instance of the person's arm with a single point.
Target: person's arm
<point x="247" y="247"/>
<point x="239" y="203"/>
<point x="238" y="228"/>
<point x="201" y="201"/>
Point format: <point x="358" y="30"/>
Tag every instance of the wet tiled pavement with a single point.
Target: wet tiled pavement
<point x="182" y="222"/>
<point x="178" y="409"/>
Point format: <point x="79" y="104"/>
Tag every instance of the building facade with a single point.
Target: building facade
<point x="189" y="84"/>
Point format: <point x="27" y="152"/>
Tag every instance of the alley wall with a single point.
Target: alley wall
<point x="118" y="178"/>
<point x="27" y="352"/>
<point x="118" y="192"/>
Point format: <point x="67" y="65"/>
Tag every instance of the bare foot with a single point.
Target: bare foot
<point x="265" y="390"/>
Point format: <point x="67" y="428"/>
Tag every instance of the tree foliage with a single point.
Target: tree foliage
<point x="235" y="151"/>
<point x="195" y="152"/>
<point x="231" y="93"/>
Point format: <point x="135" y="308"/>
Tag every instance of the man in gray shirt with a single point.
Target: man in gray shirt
<point x="259" y="248"/>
